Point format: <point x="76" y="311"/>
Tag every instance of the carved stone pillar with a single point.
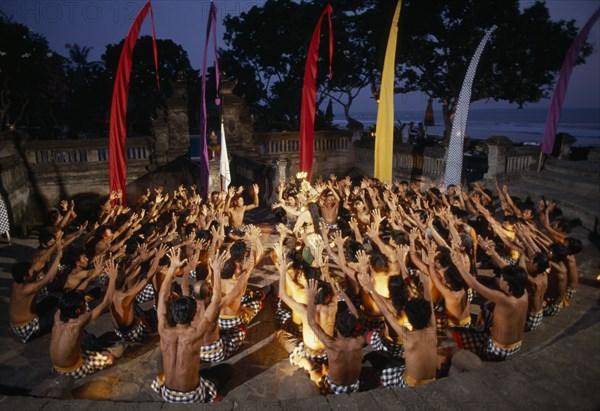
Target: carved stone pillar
<point x="497" y="150"/>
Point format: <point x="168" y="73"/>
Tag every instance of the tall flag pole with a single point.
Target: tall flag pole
<point x="204" y="168"/>
<point x="224" y="171"/>
<point x="117" y="165"/>
<point x="309" y="95"/>
<point x="560" y="89"/>
<point x="453" y="172"/>
<point x="384" y="134"/>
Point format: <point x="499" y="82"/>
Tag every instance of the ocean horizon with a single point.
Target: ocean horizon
<point x="520" y="125"/>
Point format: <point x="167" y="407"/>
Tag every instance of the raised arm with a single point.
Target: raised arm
<point x="492" y="295"/>
<point x="390" y="318"/>
<point x="216" y="265"/>
<point x="255" y="198"/>
<point x="310" y="315"/>
<point x="111" y="270"/>
<point x="165" y="289"/>
<point x="282" y="266"/>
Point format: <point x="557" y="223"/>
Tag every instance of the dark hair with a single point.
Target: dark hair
<point x="541" y="262"/>
<point x="345" y="323"/>
<point x="206" y="291"/>
<point x="203" y="235"/>
<point x="70" y="303"/>
<point x="459" y="213"/>
<point x="453" y="278"/>
<point x="559" y="252"/>
<point x="183" y="309"/>
<point x="238" y="251"/>
<point x="418" y="311"/>
<point x="325" y="292"/>
<point x="379" y="262"/>
<point x="444" y="257"/>
<point x="19" y="271"/>
<point x="190" y="229"/>
<point x="466" y="241"/>
<point x="398" y="292"/>
<point x="295" y="258"/>
<point x="421" y="215"/>
<point x="228" y="269"/>
<point x="516" y="277"/>
<point x="131" y="246"/>
<point x="354" y="247"/>
<point x="510" y="219"/>
<point x="399" y="237"/>
<point x="311" y="272"/>
<point x="574" y="245"/>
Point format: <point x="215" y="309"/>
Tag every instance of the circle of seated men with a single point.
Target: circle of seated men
<point x="394" y="266"/>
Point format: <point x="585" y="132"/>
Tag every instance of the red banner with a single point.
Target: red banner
<point x="118" y="110"/>
<point x="309" y="95"/>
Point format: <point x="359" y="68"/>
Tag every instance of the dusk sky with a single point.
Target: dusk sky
<point x="98" y="23"/>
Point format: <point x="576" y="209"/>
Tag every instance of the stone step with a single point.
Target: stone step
<point x="586" y="168"/>
<point x="585" y="208"/>
<point x="575" y="184"/>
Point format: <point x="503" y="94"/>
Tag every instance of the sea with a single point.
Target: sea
<point x="520" y="125"/>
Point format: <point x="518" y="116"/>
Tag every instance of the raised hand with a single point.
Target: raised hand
<point x="365" y="282"/>
<point x="363" y="260"/>
<point x="111" y="269"/>
<point x="217" y="263"/>
<point x="175" y="257"/>
<point x="338" y="239"/>
<point x="312" y="288"/>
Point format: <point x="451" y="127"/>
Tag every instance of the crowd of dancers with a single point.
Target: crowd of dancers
<point x="369" y="271"/>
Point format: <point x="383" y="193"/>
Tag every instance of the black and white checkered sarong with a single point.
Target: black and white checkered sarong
<point x="93" y="361"/>
<point x="481" y="343"/>
<point x="381" y="343"/>
<point x="205" y="392"/>
<point x="226" y="323"/>
<point x="328" y="387"/>
<point x="534" y="319"/>
<point x="282" y="315"/>
<point x="551" y="308"/>
<point x="393" y="377"/>
<point x="146" y="294"/>
<point x="136" y="331"/>
<point x="27" y="331"/>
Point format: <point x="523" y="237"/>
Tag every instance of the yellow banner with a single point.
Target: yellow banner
<point x="384" y="137"/>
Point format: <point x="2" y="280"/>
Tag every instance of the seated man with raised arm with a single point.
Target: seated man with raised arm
<point x="344" y="349"/>
<point x="180" y="342"/>
<point x="503" y="330"/>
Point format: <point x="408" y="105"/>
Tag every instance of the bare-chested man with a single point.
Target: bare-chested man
<point x="344" y="351"/>
<point x="308" y="353"/>
<point x="128" y="326"/>
<point x="329" y="203"/>
<point x="503" y="335"/>
<point x="418" y="335"/>
<point x="556" y="293"/>
<point x="218" y="344"/>
<point x="70" y="321"/>
<point x="180" y="345"/>
<point x="28" y="319"/>
<point x="236" y="209"/>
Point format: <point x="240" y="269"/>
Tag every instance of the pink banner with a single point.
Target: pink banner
<point x="560" y="90"/>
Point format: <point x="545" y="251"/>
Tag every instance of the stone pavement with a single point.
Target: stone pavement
<point x="557" y="367"/>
